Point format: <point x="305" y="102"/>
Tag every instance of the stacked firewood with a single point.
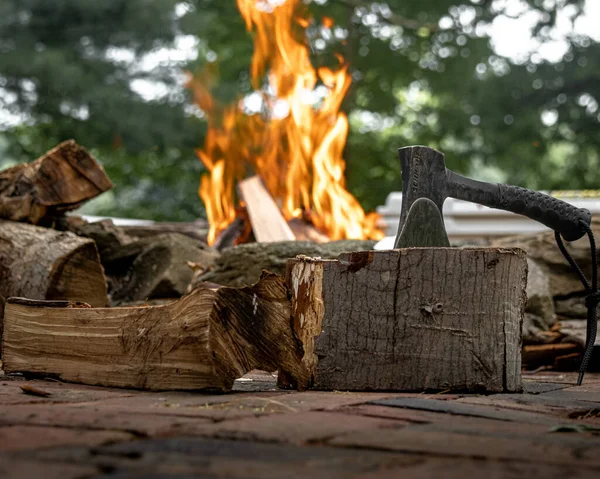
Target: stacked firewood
<point x="140" y="306"/>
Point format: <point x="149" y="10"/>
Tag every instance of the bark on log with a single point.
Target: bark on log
<point x="41" y="263"/>
<point x="204" y="341"/>
<point x="242" y="265"/>
<point x="60" y="180"/>
<point x="197" y="230"/>
<point x="163" y="269"/>
<point x="153" y="266"/>
<point x="411" y="319"/>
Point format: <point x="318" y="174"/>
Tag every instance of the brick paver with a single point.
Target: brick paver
<point x="551" y="431"/>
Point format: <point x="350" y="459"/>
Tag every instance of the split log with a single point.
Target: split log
<point x="204" y="341"/>
<point x="268" y="223"/>
<point x="535" y="356"/>
<point x="242" y="265"/>
<point x="411" y="319"/>
<point x="61" y="180"/>
<point x="41" y="263"/>
<point x="163" y="269"/>
<point x="153" y="266"/>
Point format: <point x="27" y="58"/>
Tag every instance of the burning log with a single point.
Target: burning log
<point x="194" y="343"/>
<point x="268" y="223"/>
<point x="411" y="319"/>
<point x="41" y="263"/>
<point x="61" y="180"/>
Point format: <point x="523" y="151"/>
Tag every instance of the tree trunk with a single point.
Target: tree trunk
<point x="41" y="263"/>
<point x="204" y="341"/>
<point x="411" y="319"/>
<point x="60" y="180"/>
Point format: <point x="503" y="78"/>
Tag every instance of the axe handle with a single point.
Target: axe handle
<point x="552" y="212"/>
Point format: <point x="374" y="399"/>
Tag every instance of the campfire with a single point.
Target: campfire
<point x="290" y="133"/>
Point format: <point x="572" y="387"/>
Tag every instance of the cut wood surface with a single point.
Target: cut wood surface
<point x="41" y="263"/>
<point x="204" y="341"/>
<point x="60" y="180"/>
<point x="411" y="319"/>
<point x="268" y="223"/>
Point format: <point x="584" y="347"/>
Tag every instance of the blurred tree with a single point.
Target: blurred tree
<point x="423" y="72"/>
<point x="82" y="69"/>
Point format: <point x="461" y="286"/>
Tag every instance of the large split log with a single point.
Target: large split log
<point x="204" y="341"/>
<point x="60" y="180"/>
<point x="41" y="263"/>
<point x="411" y="319"/>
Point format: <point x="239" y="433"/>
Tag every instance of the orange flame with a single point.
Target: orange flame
<point x="295" y="146"/>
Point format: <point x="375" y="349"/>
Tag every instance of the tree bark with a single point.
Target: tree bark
<point x="242" y="265"/>
<point x="411" y="319"/>
<point x="41" y="263"/>
<point x="60" y="180"/>
<point x="204" y="341"/>
<point x="153" y="266"/>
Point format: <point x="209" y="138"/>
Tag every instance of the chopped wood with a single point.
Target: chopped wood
<point x="411" y="319"/>
<point x="161" y="269"/>
<point x="268" y="223"/>
<point x="41" y="263"/>
<point x="545" y="353"/>
<point x="204" y="341"/>
<point x="152" y="266"/>
<point x="60" y="180"/>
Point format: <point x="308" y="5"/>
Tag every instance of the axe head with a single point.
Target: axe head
<point x="423" y="176"/>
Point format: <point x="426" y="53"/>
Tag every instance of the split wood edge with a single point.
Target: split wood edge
<point x="204" y="341"/>
<point x="60" y="180"/>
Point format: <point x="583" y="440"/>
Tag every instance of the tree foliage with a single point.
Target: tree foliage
<point x="423" y="73"/>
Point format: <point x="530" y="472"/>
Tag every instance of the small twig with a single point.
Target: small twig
<point x="27" y="389"/>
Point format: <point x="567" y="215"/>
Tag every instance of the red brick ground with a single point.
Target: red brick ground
<point x="551" y="431"/>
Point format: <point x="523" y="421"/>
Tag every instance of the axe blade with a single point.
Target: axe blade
<point x="424" y="227"/>
<point x="423" y="176"/>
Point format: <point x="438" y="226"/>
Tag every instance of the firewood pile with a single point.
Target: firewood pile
<point x="165" y="307"/>
<point x="155" y="307"/>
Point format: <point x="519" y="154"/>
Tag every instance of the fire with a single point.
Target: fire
<point x="294" y="145"/>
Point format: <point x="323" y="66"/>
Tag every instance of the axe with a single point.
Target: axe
<point x="425" y="176"/>
<point x="426" y="183"/>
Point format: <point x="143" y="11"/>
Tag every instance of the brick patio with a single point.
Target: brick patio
<point x="258" y="431"/>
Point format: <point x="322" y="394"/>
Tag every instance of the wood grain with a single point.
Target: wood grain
<point x="204" y="341"/>
<point x="268" y="223"/>
<point x="60" y="180"/>
<point x="41" y="263"/>
<point x="411" y="319"/>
